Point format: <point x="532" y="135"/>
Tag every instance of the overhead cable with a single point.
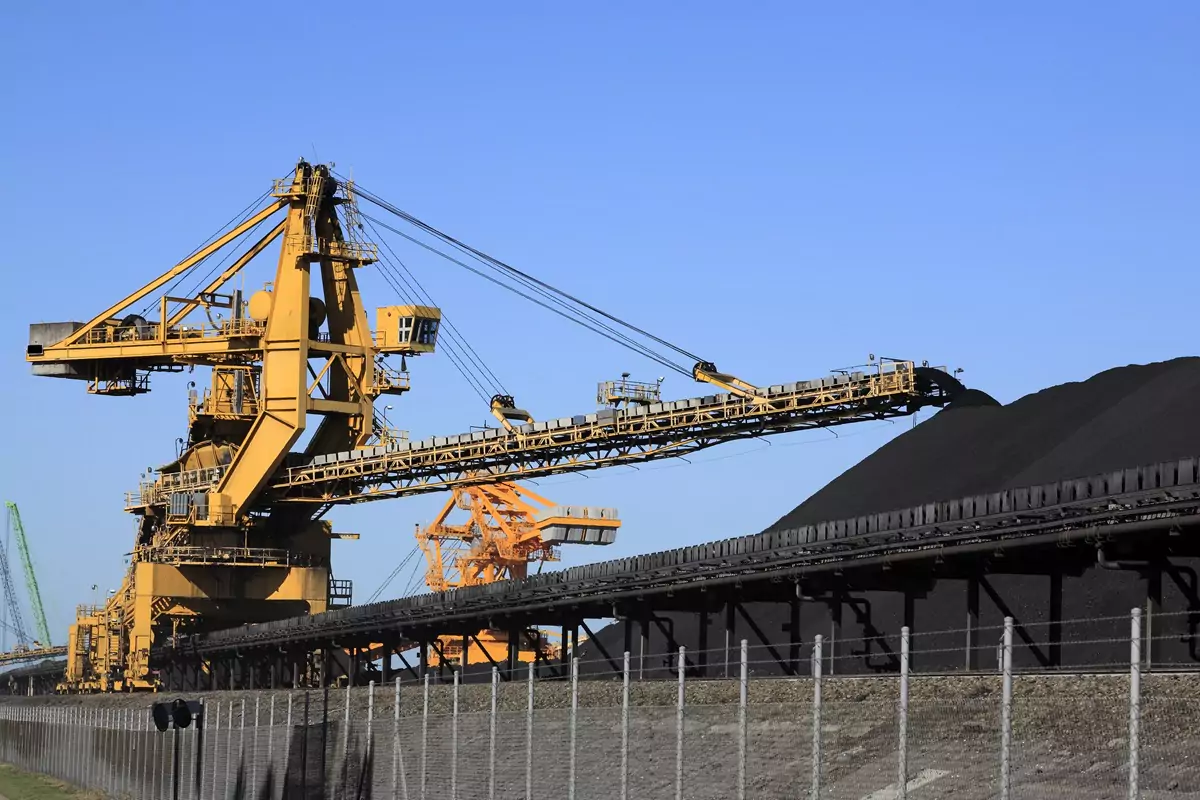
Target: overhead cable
<point x="394" y="280"/>
<point x="583" y="322"/>
<point x="387" y="581"/>
<point x="236" y="220"/>
<point x="391" y="208"/>
<point x="471" y="354"/>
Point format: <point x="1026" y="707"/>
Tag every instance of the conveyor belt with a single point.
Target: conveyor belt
<point x="35" y="654"/>
<point x="587" y="441"/>
<point x="1152" y="496"/>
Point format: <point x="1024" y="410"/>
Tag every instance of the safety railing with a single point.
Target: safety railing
<point x="232" y="556"/>
<point x="152" y="331"/>
<point x="364" y="252"/>
<point x="388" y="380"/>
<point x="614" y="393"/>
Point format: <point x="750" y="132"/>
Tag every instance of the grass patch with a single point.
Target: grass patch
<point x="18" y="785"/>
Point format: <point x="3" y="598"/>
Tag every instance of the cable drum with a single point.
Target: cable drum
<point x="134" y="327"/>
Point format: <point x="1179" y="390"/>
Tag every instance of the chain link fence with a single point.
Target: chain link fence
<point x="1006" y="734"/>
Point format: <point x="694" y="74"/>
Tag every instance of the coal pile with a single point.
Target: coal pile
<point x="1123" y="417"/>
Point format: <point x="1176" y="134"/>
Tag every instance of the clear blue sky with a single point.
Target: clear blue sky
<point x="781" y="188"/>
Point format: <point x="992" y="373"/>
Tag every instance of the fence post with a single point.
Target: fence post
<point x="127" y="724"/>
<point x="37" y="761"/>
<point x="902" y="744"/>
<point x="114" y="777"/>
<point x="454" y="732"/>
<point x="61" y="745"/>
<point x="346" y="727"/>
<point x="287" y="740"/>
<point x="242" y="736"/>
<point x="64" y="764"/>
<point x="573" y="723"/>
<point x="216" y="747"/>
<point x="1135" y="700"/>
<point x="115" y="738"/>
<point x="397" y="753"/>
<point x="163" y="761"/>
<point x="52" y="742"/>
<point x="98" y="718"/>
<point x="743" y="692"/>
<point x="529" y="731"/>
<point x="228" y="747"/>
<point x="73" y="734"/>
<point x="68" y="741"/>
<point x="198" y="750"/>
<point x="816" y="719"/>
<point x="51" y="739"/>
<point x="254" y="749"/>
<point x="424" y="736"/>
<point x="625" y="727"/>
<point x="681" y="668"/>
<point x="77" y="759"/>
<point x="271" y="738"/>
<point x="1006" y="710"/>
<point x="371" y="720"/>
<point x="304" y="743"/>
<point x="492" y="736"/>
<point x="145" y="792"/>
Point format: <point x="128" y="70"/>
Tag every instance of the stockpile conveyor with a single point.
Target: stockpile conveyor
<point x="1155" y="496"/>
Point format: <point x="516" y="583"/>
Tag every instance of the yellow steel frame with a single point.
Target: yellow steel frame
<point x="185" y="558"/>
<point x="21" y="655"/>
<point x="499" y="540"/>
<point x="229" y="532"/>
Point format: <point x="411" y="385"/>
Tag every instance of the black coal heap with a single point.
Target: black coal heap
<point x="1123" y="417"/>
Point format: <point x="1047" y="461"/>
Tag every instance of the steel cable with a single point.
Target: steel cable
<point x="399" y="567"/>
<point x="571" y="313"/>
<point x="414" y="285"/>
<point x="480" y="255"/>
<point x="394" y="280"/>
<point x="236" y="220"/>
<point x="581" y="321"/>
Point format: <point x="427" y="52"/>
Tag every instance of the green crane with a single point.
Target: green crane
<point x="35" y="595"/>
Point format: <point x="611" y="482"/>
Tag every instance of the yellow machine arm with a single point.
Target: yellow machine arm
<point x="706" y="372"/>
